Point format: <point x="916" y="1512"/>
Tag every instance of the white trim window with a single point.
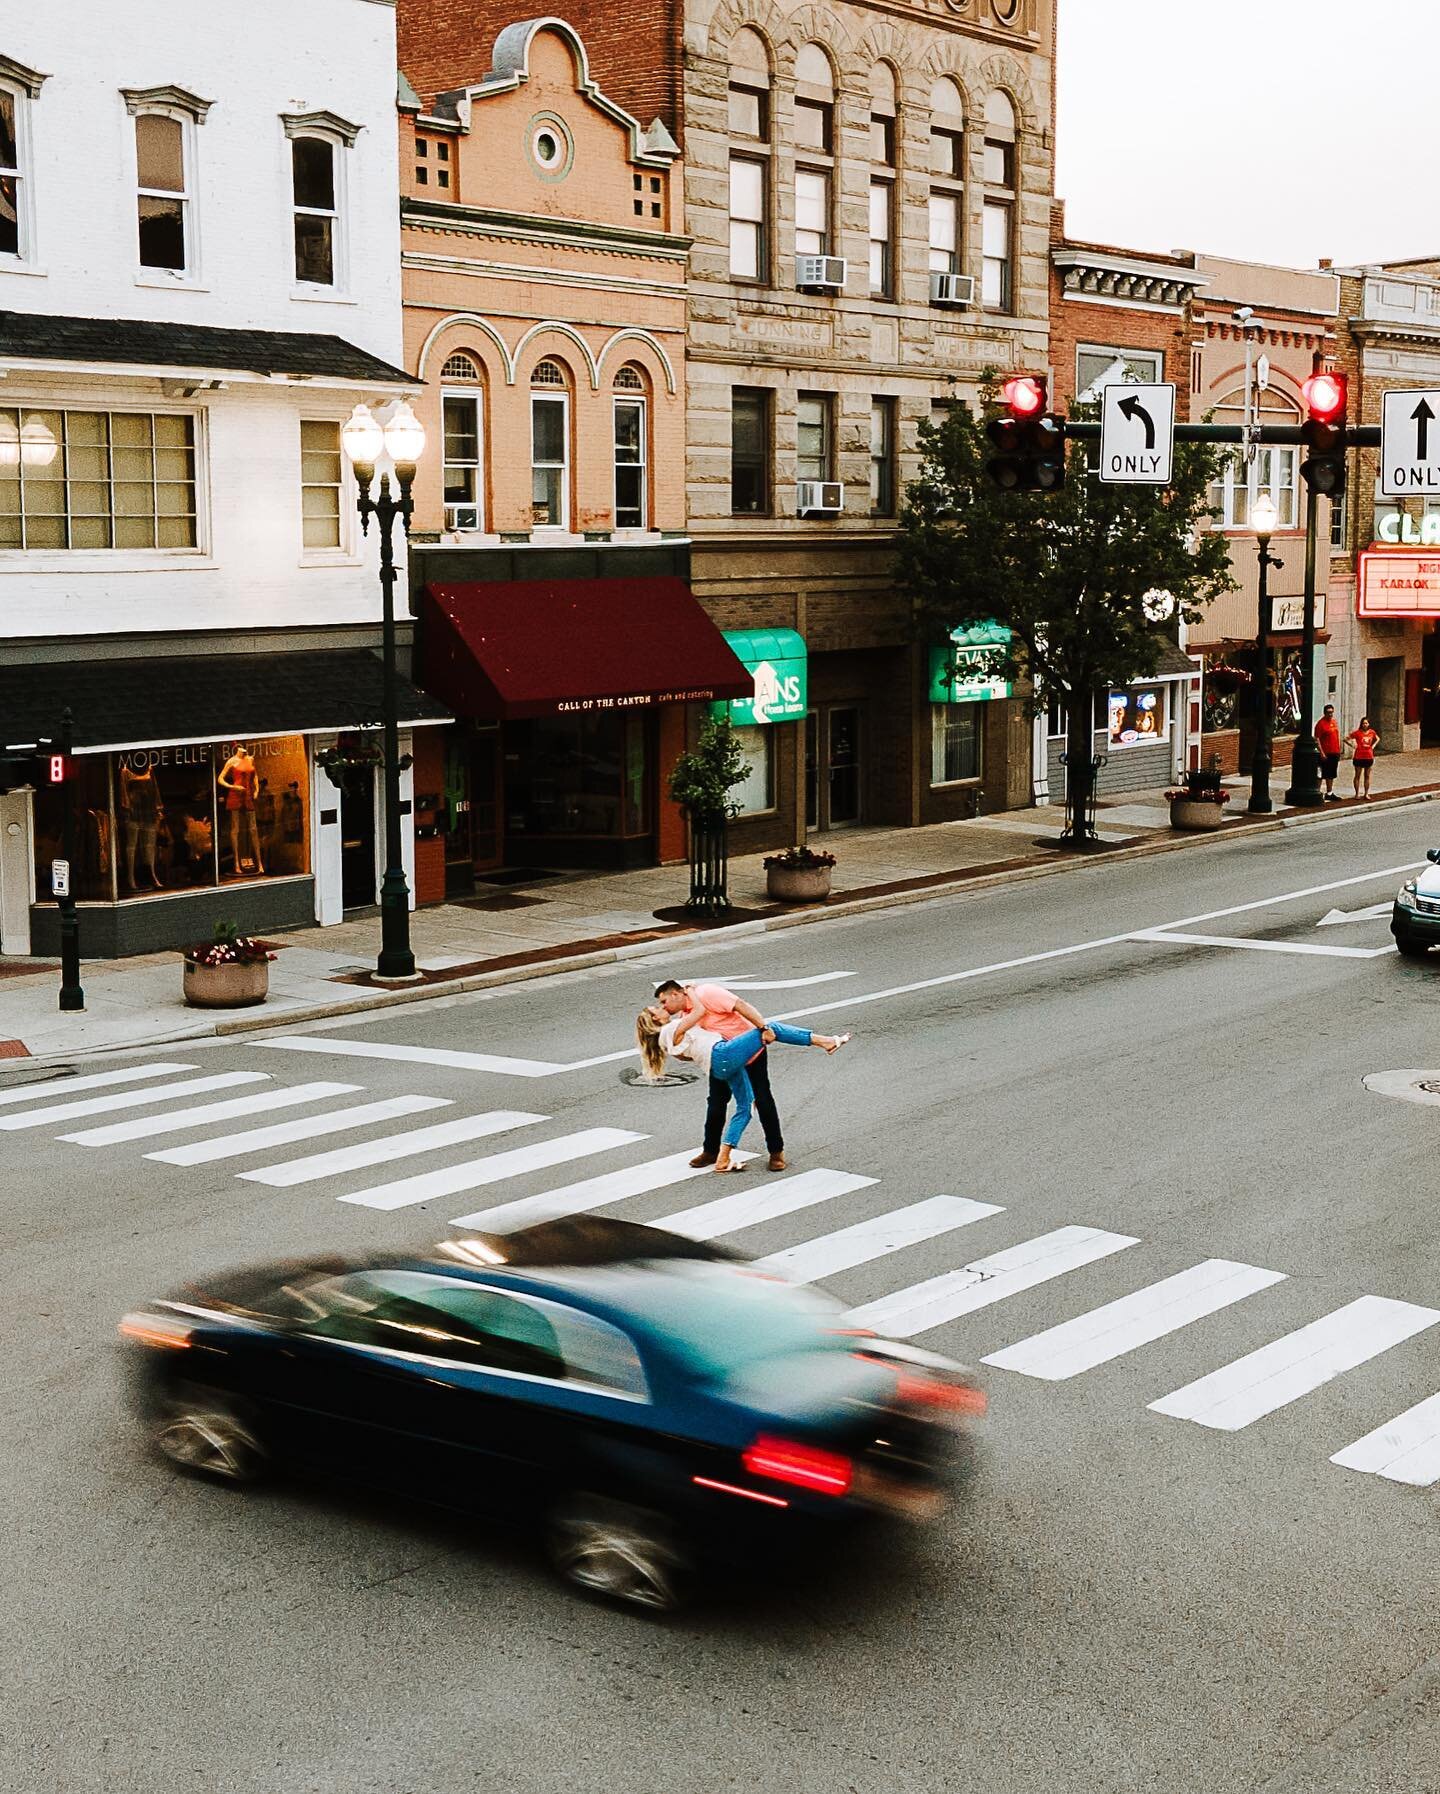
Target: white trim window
<point x="322" y="485"/>
<point x="747" y="218"/>
<point x="15" y="223"/>
<point x="1000" y="204"/>
<point x="463" y="470"/>
<point x="549" y="448"/>
<point x="1139" y="716"/>
<point x="813" y="436"/>
<point x="884" y="105"/>
<point x="814" y="149"/>
<point x="630" y="462"/>
<point x="947" y="174"/>
<point x="944" y="233"/>
<point x="1274" y="470"/>
<point x="315" y="183"/>
<point x="748" y="100"/>
<point x="164" y="165"/>
<point x="1097" y="367"/>
<point x="755" y="794"/>
<point x="98" y="479"/>
<point x="812" y="211"/>
<point x="956" y="743"/>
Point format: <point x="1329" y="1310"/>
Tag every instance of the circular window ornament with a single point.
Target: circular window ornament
<point x="1006" y="11"/>
<point x="550" y="147"/>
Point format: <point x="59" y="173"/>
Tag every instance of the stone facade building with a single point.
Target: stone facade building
<point x="867" y="190"/>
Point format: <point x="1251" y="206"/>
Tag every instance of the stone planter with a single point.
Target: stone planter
<point x="798" y="884"/>
<point x="234" y="986"/>
<point x="1195" y="813"/>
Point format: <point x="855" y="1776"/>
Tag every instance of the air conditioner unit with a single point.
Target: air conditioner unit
<point x="819" y="498"/>
<point x="820" y="273"/>
<point x="952" y="289"/>
<point x="459" y="517"/>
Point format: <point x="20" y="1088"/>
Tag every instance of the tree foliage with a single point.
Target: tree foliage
<point x="703" y="778"/>
<point x="1067" y="571"/>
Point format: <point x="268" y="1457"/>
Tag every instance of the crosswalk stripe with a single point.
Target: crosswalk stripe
<point x="878" y="1237"/>
<point x="308" y="1127"/>
<point x="97" y="1080"/>
<point x="1119" y="1327"/>
<point x="589" y="1193"/>
<point x="987" y="1280"/>
<point x="1404" y="1450"/>
<point x="176" y="1121"/>
<point x="392" y="1147"/>
<point x="1287" y="1368"/>
<point x="131" y="1099"/>
<point x="414" y="1055"/>
<point x="764" y="1202"/>
<point x="476" y="1173"/>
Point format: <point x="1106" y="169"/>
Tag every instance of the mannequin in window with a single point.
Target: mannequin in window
<point x="240" y="782"/>
<point x="140" y="813"/>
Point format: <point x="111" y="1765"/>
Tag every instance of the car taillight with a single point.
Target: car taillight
<point x="953" y="1398"/>
<point x="155" y="1330"/>
<point x="806" y="1466"/>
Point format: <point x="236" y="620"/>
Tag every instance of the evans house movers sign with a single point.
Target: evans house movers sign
<point x="1399" y="585"/>
<point x="1410" y="444"/>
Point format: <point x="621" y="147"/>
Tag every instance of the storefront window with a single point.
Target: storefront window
<point x="182" y="817"/>
<point x="955" y="742"/>
<point x="577" y="775"/>
<point x="1138" y="716"/>
<point x="757" y="793"/>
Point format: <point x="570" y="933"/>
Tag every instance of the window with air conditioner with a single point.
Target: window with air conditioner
<point x="462" y="472"/>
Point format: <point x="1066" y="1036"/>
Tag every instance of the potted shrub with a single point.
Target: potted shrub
<point x="232" y="971"/>
<point x="701" y="782"/>
<point x="799" y="875"/>
<point x="1199" y="801"/>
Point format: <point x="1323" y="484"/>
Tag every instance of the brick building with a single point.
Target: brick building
<point x="867" y="190"/>
<point x="544" y="298"/>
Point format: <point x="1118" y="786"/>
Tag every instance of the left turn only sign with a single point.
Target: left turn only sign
<point x="1137" y="435"/>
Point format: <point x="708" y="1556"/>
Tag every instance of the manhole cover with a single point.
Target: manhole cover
<point x="1406" y="1086"/>
<point x="642" y="1081"/>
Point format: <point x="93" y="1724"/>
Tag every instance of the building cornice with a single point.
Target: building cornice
<point x="530" y="227"/>
<point x="176" y="99"/>
<point x="1390" y="330"/>
<point x="1092" y="273"/>
<point x="31" y="80"/>
<point x="328" y="124"/>
<point x="472" y="268"/>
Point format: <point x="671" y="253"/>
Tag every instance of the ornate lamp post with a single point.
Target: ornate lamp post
<point x="1264" y="518"/>
<point x="403" y="436"/>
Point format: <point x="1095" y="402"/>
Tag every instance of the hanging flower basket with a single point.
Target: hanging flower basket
<point x="232" y="971"/>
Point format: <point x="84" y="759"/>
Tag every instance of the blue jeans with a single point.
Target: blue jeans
<point x="727" y="1063"/>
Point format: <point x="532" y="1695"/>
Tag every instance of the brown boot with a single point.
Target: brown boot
<point x="776" y="1162"/>
<point x="701" y="1160"/>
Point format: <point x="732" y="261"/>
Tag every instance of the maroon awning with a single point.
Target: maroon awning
<point x="542" y="647"/>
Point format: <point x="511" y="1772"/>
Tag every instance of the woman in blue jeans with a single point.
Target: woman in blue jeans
<point x="661" y="1035"/>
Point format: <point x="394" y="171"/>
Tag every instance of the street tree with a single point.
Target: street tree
<point x="1072" y="573"/>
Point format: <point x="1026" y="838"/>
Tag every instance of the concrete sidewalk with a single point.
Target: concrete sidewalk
<point x="520" y="930"/>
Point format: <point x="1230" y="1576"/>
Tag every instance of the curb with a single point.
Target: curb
<point x="960" y="885"/>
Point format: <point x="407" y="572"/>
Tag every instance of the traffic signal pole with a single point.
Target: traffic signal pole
<point x="72" y="994"/>
<point x="1305" y="791"/>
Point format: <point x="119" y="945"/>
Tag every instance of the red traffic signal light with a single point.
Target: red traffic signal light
<point x="1326" y="397"/>
<point x="1024" y="395"/>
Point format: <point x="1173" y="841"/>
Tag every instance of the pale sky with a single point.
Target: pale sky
<point x="1189" y="126"/>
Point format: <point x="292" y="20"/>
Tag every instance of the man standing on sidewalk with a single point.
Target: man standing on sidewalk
<point x="727" y="1015"/>
<point x="1327" y="739"/>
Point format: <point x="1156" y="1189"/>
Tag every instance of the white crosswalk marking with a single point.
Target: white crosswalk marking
<point x="1404" y="1450"/>
<point x="414" y="1055"/>
<point x="987" y="1280"/>
<point x="1286" y="1369"/>
<point x="1119" y="1327"/>
<point x="476" y="1173"/>
<point x="589" y="1193"/>
<point x="97" y="1080"/>
<point x="392" y="1147"/>
<point x="763" y="1202"/>
<point x="308" y="1127"/>
<point x="131" y="1099"/>
<point x="176" y="1121"/>
<point x="878" y="1237"/>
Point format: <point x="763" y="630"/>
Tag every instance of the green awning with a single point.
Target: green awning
<point x="959" y="673"/>
<point x="778" y="659"/>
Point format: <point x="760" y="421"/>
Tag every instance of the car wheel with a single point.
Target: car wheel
<point x="1411" y="949"/>
<point x="204" y="1431"/>
<point x="618" y="1552"/>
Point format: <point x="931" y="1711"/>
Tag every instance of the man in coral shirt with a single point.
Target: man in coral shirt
<point x="727" y="1015"/>
<point x="1327" y="739"/>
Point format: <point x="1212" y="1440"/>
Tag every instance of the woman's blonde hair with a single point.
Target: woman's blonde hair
<point x="652" y="1054"/>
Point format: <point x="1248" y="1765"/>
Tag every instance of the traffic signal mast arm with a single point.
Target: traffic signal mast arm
<point x="1267" y="435"/>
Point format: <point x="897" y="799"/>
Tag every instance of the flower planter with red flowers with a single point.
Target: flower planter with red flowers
<point x="1199" y="804"/>
<point x="799" y="875"/>
<point x="230" y="972"/>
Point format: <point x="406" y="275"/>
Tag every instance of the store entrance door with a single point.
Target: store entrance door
<point x="358" y="880"/>
<point x="832" y="767"/>
<point x="16" y="874"/>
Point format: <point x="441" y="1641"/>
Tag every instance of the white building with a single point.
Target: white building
<point x="199" y="278"/>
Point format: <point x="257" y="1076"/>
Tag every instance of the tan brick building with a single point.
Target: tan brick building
<point x="913" y="144"/>
<point x="544" y="286"/>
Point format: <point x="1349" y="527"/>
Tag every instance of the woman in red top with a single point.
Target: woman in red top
<point x="1366" y="740"/>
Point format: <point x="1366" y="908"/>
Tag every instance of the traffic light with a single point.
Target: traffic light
<point x="1029" y="442"/>
<point x="38" y="765"/>
<point x="1323" y="433"/>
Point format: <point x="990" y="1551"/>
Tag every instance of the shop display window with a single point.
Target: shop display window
<point x="756" y="793"/>
<point x="1138" y="716"/>
<point x="577" y="775"/>
<point x="180" y="818"/>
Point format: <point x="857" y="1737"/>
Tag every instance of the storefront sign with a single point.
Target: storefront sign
<point x="1399" y="527"/>
<point x="1399" y="585"/>
<point x="633" y="701"/>
<point x="1289" y="613"/>
<point x="779" y="661"/>
<point x="961" y="673"/>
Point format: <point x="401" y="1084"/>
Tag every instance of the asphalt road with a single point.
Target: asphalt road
<point x="1131" y="1598"/>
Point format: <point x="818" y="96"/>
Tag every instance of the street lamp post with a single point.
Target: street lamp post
<point x="1264" y="518"/>
<point x="1305" y="790"/>
<point x="364" y="438"/>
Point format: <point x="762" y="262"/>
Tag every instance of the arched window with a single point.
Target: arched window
<point x="549" y="447"/>
<point x="997" y="280"/>
<point x="883" y="110"/>
<point x="464" y="426"/>
<point x="632" y="454"/>
<point x="749" y="119"/>
<point x="947" y="180"/>
<point x="1273" y="470"/>
<point x="630" y="379"/>
<point x="163" y="157"/>
<point x="814" y="149"/>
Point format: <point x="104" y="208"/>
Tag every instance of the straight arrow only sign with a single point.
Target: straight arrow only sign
<point x="1137" y="435"/>
<point x="1410" y="444"/>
